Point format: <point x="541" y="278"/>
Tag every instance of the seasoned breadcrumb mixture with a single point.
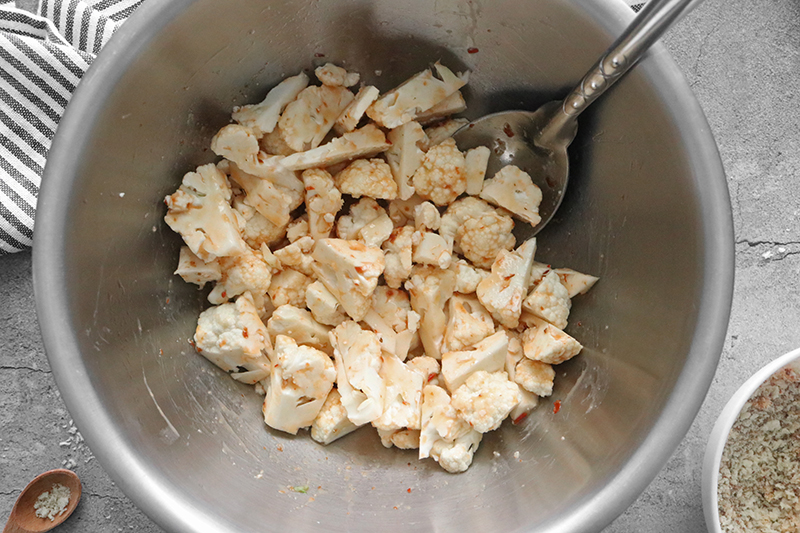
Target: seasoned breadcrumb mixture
<point x="759" y="485"/>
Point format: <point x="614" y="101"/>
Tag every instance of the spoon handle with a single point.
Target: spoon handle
<point x="648" y="26"/>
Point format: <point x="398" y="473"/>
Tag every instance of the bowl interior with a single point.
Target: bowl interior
<point x="647" y="212"/>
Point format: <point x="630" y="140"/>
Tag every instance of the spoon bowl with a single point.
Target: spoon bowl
<point x="23" y="517"/>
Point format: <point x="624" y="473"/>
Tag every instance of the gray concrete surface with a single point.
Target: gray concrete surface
<point x="743" y="60"/>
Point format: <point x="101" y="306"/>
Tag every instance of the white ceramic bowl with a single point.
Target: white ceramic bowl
<point x="719" y="436"/>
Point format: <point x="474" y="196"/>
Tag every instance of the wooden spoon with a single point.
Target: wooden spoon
<point x="23" y="517"/>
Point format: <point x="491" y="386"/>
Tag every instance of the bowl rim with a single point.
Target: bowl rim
<point x="722" y="428"/>
<point x="157" y="498"/>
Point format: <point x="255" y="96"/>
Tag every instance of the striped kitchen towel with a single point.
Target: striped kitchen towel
<point x="45" y="47"/>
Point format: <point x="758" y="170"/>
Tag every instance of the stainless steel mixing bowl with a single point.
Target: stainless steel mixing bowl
<point x="648" y="211"/>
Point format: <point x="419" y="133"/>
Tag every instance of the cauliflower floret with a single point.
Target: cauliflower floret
<point x="298" y="228"/>
<point x="367" y="177"/>
<point x="467" y="276"/>
<point x="405" y="155"/>
<point x="440" y="178"/>
<point x="443" y="130"/>
<point x="331" y="422"/>
<point x="323" y="201"/>
<point x="575" y="282"/>
<point x="352" y="114"/>
<point x="535" y="376"/>
<point x="513" y="189"/>
<point x="431" y="249"/>
<point x="262" y="118"/>
<point x="393" y="320"/>
<point x="488" y="355"/>
<point x="398" y="256"/>
<point x="528" y="401"/>
<point x="240" y="273"/>
<point x="451" y="105"/>
<point x="233" y="337"/>
<point x="455" y="457"/>
<point x="546" y="343"/>
<point x="426" y="217"/>
<point x="289" y="287"/>
<point x="350" y="271"/>
<point x="486" y="399"/>
<point x="361" y="213"/>
<point x="297" y="255"/>
<point x="357" y="354"/>
<point x="415" y="95"/>
<point x="476" y="160"/>
<point x="363" y="142"/>
<point x="459" y="212"/>
<point x="439" y="420"/>
<point x="272" y="143"/>
<point x="308" y="119"/>
<point x="194" y="270"/>
<point x="300" y="326"/>
<point x="427" y="366"/>
<point x="300" y="382"/>
<point x="323" y="305"/>
<point x="469" y="323"/>
<point x="481" y="239"/>
<point x="403" y="397"/>
<point x="405" y="439"/>
<point x="271" y="201"/>
<point x="333" y="75"/>
<point x="504" y="289"/>
<point x="402" y="212"/>
<point x="538" y="272"/>
<point x="200" y="212"/>
<point x="257" y="230"/>
<point x="550" y="301"/>
<point x="376" y="231"/>
<point x="429" y="288"/>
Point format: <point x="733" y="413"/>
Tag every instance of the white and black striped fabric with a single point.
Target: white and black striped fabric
<point x="45" y="47"/>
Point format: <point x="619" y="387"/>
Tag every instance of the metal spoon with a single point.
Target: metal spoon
<point x="23" y="517"/>
<point x="537" y="141"/>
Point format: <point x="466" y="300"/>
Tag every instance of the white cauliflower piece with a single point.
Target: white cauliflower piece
<point x="333" y="75"/>
<point x="513" y="189"/>
<point x="538" y="272"/>
<point x="550" y="300"/>
<point x="443" y="130"/>
<point x="504" y="289"/>
<point x="440" y="178"/>
<point x="308" y="119"/>
<point x="363" y="142"/>
<point x="357" y="354"/>
<point x="257" y="230"/>
<point x="535" y="376"/>
<point x="289" y="287"/>
<point x="467" y="276"/>
<point x="233" y="337"/>
<point x="194" y="270"/>
<point x="350" y="271"/>
<point x="263" y="117"/>
<point x="272" y="143"/>
<point x="323" y="202"/>
<point x="428" y="367"/>
<point x="297" y="255"/>
<point x="298" y="228"/>
<point x="352" y="114"/>
<point x="455" y="457"/>
<point x="376" y="231"/>
<point x="367" y="177"/>
<point x="298" y="324"/>
<point x="404" y="439"/>
<point x="405" y="155"/>
<point x="398" y="256"/>
<point x="476" y="160"/>
<point x="439" y="420"/>
<point x="271" y="201"/>
<point x="528" y="401"/>
<point x="429" y="288"/>
<point x="486" y="399"/>
<point x="391" y="317"/>
<point x="415" y="95"/>
<point x="403" y="396"/>
<point x="451" y="105"/>
<point x="324" y="306"/>
<point x="482" y="239"/>
<point x="402" y="212"/>
<point x="575" y="282"/>
<point x="300" y="381"/>
<point x="431" y="249"/>
<point x="488" y="355"/>
<point x="459" y="212"/>
<point x="331" y="422"/>
<point x="361" y="213"/>
<point x="200" y="212"/>
<point x="546" y="343"/>
<point x="426" y="217"/>
<point x="240" y="273"/>
<point x="469" y="323"/>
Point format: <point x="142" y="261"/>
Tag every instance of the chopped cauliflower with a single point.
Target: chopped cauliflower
<point x="298" y="324"/>
<point x="289" y="287"/>
<point x="455" y="457"/>
<point x="194" y="270"/>
<point x="469" y="323"/>
<point x="504" y="289"/>
<point x="331" y="423"/>
<point x="476" y="160"/>
<point x="482" y="239"/>
<point x="439" y="420"/>
<point x="535" y="376"/>
<point x="297" y="255"/>
<point x="240" y="273"/>
<point x="575" y="282"/>
<point x="357" y="354"/>
<point x="263" y="117"/>
<point x="467" y="276"/>
<point x="431" y="249"/>
<point x="513" y="189"/>
<point x="546" y="343"/>
<point x="393" y="320"/>
<point x="333" y="75"/>
<point x="459" y="212"/>
<point x="367" y="177"/>
<point x="201" y="213"/>
<point x="443" y="130"/>
<point x="429" y="288"/>
<point x="426" y="217"/>
<point x="361" y="213"/>
<point x="488" y="355"/>
<point x="486" y="399"/>
<point x="309" y="117"/>
<point x="550" y="300"/>
<point x="451" y="105"/>
<point x="528" y="401"/>
<point x="324" y="306"/>
<point x="415" y="95"/>
<point x="403" y="396"/>
<point x="298" y="228"/>
<point x="405" y="439"/>
<point x="323" y="202"/>
<point x="352" y="114"/>
<point x="272" y="143"/>
<point x="376" y="231"/>
<point x="538" y="272"/>
<point x="257" y="230"/>
<point x="428" y="367"/>
<point x="300" y="381"/>
<point x="350" y="271"/>
<point x="363" y="142"/>
<point x="402" y="212"/>
<point x="440" y="178"/>
<point x="271" y="201"/>
<point x="398" y="256"/>
<point x="233" y="337"/>
<point x="405" y="155"/>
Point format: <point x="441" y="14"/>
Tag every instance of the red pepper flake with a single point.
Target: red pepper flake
<point x="472" y="50"/>
<point x="224" y="294"/>
<point x="280" y="448"/>
<point x="579" y="323"/>
<point x="244" y="332"/>
<point x="507" y="130"/>
<point x="319" y="55"/>
<point x="431" y="377"/>
<point x="409" y="491"/>
<point x="395" y="507"/>
<point x="556" y="406"/>
<point x="520" y="418"/>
